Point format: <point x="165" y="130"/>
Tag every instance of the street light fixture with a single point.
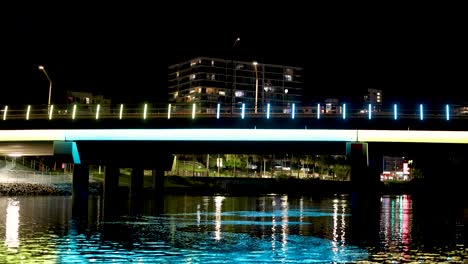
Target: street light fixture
<point x="41" y="68"/>
<point x="237" y="40"/>
<point x="256" y="85"/>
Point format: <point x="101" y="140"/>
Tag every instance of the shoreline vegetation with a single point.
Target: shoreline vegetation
<point x="219" y="185"/>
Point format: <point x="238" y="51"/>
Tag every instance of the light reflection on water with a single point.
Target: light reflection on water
<point x="214" y="229"/>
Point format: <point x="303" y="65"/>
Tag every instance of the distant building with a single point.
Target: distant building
<point x="86" y="98"/>
<point x="395" y="168"/>
<point x="87" y="102"/>
<point x="332" y="106"/>
<point x="373" y="97"/>
<point x="209" y="81"/>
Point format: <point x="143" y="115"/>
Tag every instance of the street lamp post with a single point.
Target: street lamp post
<point x="256" y="85"/>
<point x="233" y="84"/>
<point x="41" y="68"/>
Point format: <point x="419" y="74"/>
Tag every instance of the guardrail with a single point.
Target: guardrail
<point x="192" y="111"/>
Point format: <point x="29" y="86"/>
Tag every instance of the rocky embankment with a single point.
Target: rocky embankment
<point x="14" y="189"/>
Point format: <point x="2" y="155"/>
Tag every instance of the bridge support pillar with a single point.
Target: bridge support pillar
<point x="136" y="183"/>
<point x="358" y="157"/>
<point x="80" y="181"/>
<point x="158" y="180"/>
<point x="80" y="185"/>
<point x="111" y="187"/>
<point x="136" y="191"/>
<point x="158" y="189"/>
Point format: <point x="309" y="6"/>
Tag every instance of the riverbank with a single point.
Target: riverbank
<point x="228" y="186"/>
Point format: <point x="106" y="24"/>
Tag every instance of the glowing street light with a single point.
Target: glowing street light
<point x="369" y="111"/>
<point x="344" y="111"/>
<point x="243" y="111"/>
<point x="27" y="112"/>
<point x="121" y="111"/>
<point x="235" y="42"/>
<point x="447" y="112"/>
<point x="5" y="112"/>
<point x="74" y="112"/>
<point x="41" y="68"/>
<point x="268" y="111"/>
<point x="421" y="112"/>
<point x="318" y="111"/>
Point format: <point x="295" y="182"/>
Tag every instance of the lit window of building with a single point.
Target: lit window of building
<point x="177" y="74"/>
<point x="288" y="74"/>
<point x="192" y="76"/>
<point x="222" y="93"/>
<point x="212" y="63"/>
<point x="239" y="93"/>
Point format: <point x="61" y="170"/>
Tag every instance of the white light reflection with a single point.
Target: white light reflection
<point x="218" y="208"/>
<point x="273" y="225"/>
<point x="284" y="223"/>
<point x="301" y="215"/>
<point x="343" y="223"/>
<point x="339" y="228"/>
<point x="198" y="215"/>
<point x="335" y="227"/>
<point x="12" y="224"/>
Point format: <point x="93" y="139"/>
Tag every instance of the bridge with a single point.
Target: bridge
<point x="145" y="137"/>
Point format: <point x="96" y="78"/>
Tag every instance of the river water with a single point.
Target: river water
<point x="340" y="228"/>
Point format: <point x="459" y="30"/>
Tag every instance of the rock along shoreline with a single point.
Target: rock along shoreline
<point x="14" y="189"/>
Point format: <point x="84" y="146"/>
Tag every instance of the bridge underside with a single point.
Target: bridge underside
<point x="61" y="150"/>
<point x="40" y="148"/>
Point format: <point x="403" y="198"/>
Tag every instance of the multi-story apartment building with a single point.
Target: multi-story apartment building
<point x="209" y="81"/>
<point x="373" y="97"/>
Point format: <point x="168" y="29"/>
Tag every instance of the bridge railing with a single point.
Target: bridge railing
<point x="192" y="111"/>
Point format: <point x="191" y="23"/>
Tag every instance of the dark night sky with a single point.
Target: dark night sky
<point x="123" y="51"/>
